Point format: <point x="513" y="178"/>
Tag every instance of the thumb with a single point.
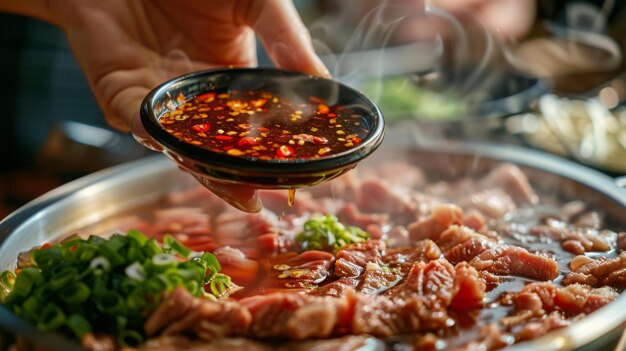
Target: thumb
<point x="284" y="36"/>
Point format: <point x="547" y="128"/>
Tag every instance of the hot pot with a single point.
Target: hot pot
<point x="122" y="189"/>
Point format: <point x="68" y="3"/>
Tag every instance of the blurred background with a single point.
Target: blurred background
<point x="549" y="76"/>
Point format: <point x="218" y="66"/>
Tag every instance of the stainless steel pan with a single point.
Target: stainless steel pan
<point x="121" y="189"/>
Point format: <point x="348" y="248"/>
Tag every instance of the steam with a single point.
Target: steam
<point x="367" y="49"/>
<point x="457" y="54"/>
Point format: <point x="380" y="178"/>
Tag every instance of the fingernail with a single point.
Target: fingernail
<point x="321" y="68"/>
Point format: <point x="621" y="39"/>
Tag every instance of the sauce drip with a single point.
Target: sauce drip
<point x="260" y="125"/>
<point x="291" y="199"/>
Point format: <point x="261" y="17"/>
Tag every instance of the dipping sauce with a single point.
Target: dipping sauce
<point x="260" y="125"/>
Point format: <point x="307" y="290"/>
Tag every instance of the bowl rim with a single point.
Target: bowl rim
<point x="174" y="146"/>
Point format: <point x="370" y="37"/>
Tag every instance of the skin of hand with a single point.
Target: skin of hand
<point x="508" y="19"/>
<point x="128" y="47"/>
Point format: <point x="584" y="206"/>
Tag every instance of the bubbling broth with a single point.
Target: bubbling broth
<point x="262" y="125"/>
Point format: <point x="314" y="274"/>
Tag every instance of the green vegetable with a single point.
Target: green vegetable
<point x="171" y="244"/>
<point x="328" y="234"/>
<point x="78" y="325"/>
<point x="399" y="97"/>
<point x="107" y="285"/>
<point x="52" y="317"/>
<point x="7" y="281"/>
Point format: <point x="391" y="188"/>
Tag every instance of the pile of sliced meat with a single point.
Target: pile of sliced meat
<point x="427" y="278"/>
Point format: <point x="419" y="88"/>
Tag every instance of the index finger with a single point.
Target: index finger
<point x="284" y="36"/>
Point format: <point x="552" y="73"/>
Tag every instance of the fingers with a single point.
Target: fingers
<point x="284" y="36"/>
<point x="121" y="92"/>
<point x="240" y="197"/>
<point x="507" y="18"/>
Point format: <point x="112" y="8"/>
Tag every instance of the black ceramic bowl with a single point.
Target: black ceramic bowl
<point x="267" y="174"/>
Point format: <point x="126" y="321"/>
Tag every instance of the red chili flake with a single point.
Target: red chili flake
<point x="356" y="140"/>
<point x="201" y="128"/>
<point x="263" y="129"/>
<point x="323" y="109"/>
<point x="207" y="97"/>
<point x="284" y="151"/>
<point x="46" y="245"/>
<point x="283" y="138"/>
<point x="223" y="137"/>
<point x="247" y="142"/>
<point x="72" y="248"/>
<point x="332" y="115"/>
<point x="259" y="102"/>
<point x="315" y="99"/>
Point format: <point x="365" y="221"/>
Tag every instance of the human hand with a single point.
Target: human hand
<point x="506" y="18"/>
<point x="126" y="48"/>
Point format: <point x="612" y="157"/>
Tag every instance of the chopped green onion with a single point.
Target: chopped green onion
<point x="209" y="261"/>
<point x="173" y="279"/>
<point x="138" y="236"/>
<point x="136" y="300"/>
<point x="163" y="261"/>
<point x="169" y="243"/>
<point x="107" y="285"/>
<point x="110" y="303"/>
<point x="328" y="234"/>
<point x="7" y="281"/>
<point x="135" y="254"/>
<point x="32" y="307"/>
<point x="99" y="284"/>
<point x="100" y="263"/>
<point x="111" y="254"/>
<point x="135" y="271"/>
<point x="52" y="317"/>
<point x="192" y="286"/>
<point x="75" y="293"/>
<point x="85" y="253"/>
<point x="155" y="285"/>
<point x="219" y="284"/>
<point x="115" y="243"/>
<point x="129" y="338"/>
<point x="151" y="248"/>
<point x="96" y="240"/>
<point x="26" y="279"/>
<point x="79" y="325"/>
<point x="61" y="276"/>
<point x="74" y="238"/>
<point x="47" y="258"/>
